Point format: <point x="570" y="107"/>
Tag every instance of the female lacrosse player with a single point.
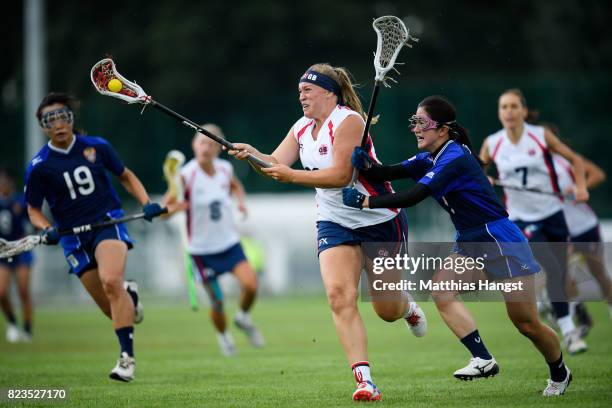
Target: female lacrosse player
<point x="13" y="219"/>
<point x="585" y="235"/>
<point x="522" y="155"/>
<point x="450" y="173"/>
<point x="323" y="139"/>
<point x="70" y="173"/>
<point x="214" y="243"/>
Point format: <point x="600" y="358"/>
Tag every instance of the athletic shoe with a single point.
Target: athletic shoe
<point x="416" y="321"/>
<point x="583" y="319"/>
<point x="25" y="337"/>
<point x="226" y="344"/>
<point x="477" y="368"/>
<point x="13" y="334"/>
<point x="367" y="391"/>
<point x="132" y="286"/>
<point x="244" y="323"/>
<point x="557" y="388"/>
<point x="573" y="343"/>
<point x="124" y="370"/>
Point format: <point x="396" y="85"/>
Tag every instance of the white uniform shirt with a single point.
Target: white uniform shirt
<point x="319" y="154"/>
<point x="210" y="222"/>
<point x="579" y="216"/>
<point x="526" y="164"/>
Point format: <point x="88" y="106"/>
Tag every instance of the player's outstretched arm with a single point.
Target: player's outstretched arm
<point x="555" y="145"/>
<point x="237" y="189"/>
<point x="594" y="174"/>
<point x="37" y="218"/>
<point x="133" y="185"/>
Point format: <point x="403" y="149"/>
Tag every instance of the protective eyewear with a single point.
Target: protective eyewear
<point x="422" y="123"/>
<point x="49" y="119"/>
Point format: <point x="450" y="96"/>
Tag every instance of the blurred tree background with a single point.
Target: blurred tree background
<point x="237" y="64"/>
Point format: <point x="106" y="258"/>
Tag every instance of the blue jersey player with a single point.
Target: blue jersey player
<point x="13" y="219"/>
<point x="450" y="173"/>
<point x="71" y="173"/>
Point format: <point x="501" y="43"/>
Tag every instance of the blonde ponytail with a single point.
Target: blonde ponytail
<point x="343" y="78"/>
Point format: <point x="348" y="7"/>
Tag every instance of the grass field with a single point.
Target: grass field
<point x="179" y="365"/>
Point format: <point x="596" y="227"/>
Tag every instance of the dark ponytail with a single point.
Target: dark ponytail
<point x="442" y="111"/>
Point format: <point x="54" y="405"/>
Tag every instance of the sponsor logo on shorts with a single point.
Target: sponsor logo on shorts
<point x="430" y="174"/>
<point x="323" y="241"/>
<point x="73" y="261"/>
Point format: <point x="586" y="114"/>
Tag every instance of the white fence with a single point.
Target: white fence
<point x="283" y="225"/>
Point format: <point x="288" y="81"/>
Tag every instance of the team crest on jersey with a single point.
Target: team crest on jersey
<point x="90" y="154"/>
<point x="323" y="150"/>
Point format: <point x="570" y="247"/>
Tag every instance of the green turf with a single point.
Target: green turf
<point x="179" y="364"/>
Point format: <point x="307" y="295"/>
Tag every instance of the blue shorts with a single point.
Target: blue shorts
<point x="393" y="232"/>
<point x="25" y="258"/>
<point x="588" y="242"/>
<point x="505" y="250"/>
<point x="551" y="229"/>
<point x="79" y="249"/>
<point x="213" y="265"/>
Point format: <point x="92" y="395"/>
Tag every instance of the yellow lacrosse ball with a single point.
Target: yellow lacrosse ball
<point x="114" y="85"/>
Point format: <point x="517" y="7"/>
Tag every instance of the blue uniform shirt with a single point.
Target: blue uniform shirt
<point x="458" y="183"/>
<point x="74" y="181"/>
<point x="13" y="217"/>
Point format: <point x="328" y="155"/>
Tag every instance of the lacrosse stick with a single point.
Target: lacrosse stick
<point x="392" y="36"/>
<point x="105" y="71"/>
<point x="172" y="164"/>
<point x="569" y="197"/>
<point x="8" y="249"/>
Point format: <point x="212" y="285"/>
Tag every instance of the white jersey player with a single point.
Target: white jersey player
<point x="579" y="217"/>
<point x="324" y="139"/>
<point x="210" y="221"/>
<point x="213" y="240"/>
<point x="318" y="153"/>
<point x="526" y="163"/>
<point x="585" y="234"/>
<point x="522" y="154"/>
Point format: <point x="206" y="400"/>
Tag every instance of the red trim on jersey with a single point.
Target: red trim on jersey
<point x="399" y="235"/>
<point x="372" y="191"/>
<point x="549" y="165"/>
<point x="302" y="130"/>
<point x="188" y="189"/>
<point x="330" y="126"/>
<point x="367" y="186"/>
<point x="200" y="266"/>
<point x="496" y="148"/>
<point x="567" y="168"/>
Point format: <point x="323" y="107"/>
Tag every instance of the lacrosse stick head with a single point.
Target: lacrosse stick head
<point x="9" y="249"/>
<point x="392" y="36"/>
<point x="172" y="164"/>
<point x="104" y="71"/>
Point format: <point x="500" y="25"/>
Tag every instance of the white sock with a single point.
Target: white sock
<point x="226" y="335"/>
<point x="610" y="309"/>
<point x="244" y="317"/>
<point x="572" y="308"/>
<point x="411" y="305"/>
<point x="361" y="371"/>
<point x="566" y="324"/>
